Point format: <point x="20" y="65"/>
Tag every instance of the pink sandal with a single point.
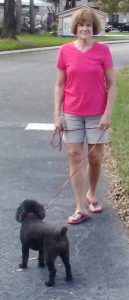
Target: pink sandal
<point x="94" y="207"/>
<point x="78" y="218"/>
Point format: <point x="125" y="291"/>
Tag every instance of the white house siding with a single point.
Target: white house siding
<point x="64" y="21"/>
<point x="123" y="17"/>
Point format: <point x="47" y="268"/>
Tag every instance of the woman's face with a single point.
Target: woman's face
<point x="85" y="31"/>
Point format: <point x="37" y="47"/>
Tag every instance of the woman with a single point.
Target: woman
<point x="84" y="95"/>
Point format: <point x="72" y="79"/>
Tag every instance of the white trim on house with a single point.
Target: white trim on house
<point x="81" y="6"/>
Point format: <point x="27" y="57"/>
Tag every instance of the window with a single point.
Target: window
<point x="114" y="19"/>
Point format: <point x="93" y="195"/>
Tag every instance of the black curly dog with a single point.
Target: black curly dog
<point x="37" y="235"/>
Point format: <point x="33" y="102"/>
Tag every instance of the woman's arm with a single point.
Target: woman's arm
<point x="58" y="97"/>
<point x="111" y="96"/>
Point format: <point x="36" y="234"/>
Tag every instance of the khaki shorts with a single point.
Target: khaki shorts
<point x="77" y="129"/>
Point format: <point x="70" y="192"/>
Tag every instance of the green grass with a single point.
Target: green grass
<point x="26" y="41"/>
<point x="118" y="33"/>
<point x="120" y="126"/>
<point x="43" y="40"/>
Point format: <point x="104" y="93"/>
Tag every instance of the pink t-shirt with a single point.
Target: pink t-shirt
<point x="85" y="89"/>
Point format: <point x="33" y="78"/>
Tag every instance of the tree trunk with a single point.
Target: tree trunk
<point x="18" y="16"/>
<point x="73" y="3"/>
<point x="32" y="17"/>
<point x="67" y="5"/>
<point x="70" y="4"/>
<point x="9" y="30"/>
<point x="56" y="6"/>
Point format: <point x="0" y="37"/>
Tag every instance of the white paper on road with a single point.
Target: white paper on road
<point x="39" y="126"/>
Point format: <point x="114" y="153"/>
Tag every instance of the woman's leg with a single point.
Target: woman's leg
<point x="76" y="155"/>
<point x="93" y="169"/>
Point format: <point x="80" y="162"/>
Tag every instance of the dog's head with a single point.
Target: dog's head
<point x="28" y="207"/>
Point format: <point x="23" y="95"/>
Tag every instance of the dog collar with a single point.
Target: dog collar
<point x="27" y="214"/>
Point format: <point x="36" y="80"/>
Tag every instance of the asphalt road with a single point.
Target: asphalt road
<point x="120" y="54"/>
<point x="30" y="168"/>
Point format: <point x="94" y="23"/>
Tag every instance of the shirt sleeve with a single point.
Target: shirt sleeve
<point x="60" y="60"/>
<point x="108" y="62"/>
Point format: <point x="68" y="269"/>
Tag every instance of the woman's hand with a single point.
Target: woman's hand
<point x="58" y="123"/>
<point x="105" y="121"/>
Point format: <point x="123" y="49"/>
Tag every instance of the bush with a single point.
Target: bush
<point x="54" y="27"/>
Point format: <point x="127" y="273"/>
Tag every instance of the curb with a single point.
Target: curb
<point x="115" y="42"/>
<point x="52" y="48"/>
<point x="29" y="50"/>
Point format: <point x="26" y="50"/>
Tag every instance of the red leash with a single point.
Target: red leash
<point x="59" y="145"/>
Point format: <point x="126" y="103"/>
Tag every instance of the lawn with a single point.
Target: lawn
<point x="120" y="126"/>
<point x="26" y="41"/>
<point x="111" y="33"/>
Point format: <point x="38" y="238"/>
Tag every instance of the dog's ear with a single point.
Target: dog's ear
<point x="39" y="210"/>
<point x="19" y="214"/>
<point x="63" y="230"/>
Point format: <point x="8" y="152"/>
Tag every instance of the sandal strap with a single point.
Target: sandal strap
<point x="94" y="203"/>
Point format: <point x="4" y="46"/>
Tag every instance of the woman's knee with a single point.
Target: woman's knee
<point x="96" y="156"/>
<point x="75" y="156"/>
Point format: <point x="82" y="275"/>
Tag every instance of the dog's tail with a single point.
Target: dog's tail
<point x="63" y="230"/>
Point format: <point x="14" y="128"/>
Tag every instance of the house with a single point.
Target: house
<point x="64" y="20"/>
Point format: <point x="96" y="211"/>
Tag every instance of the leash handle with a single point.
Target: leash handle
<point x="60" y="136"/>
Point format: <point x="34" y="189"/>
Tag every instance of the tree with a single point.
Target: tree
<point x="109" y="6"/>
<point x="18" y="16"/>
<point x="32" y="17"/>
<point x="124" y="5"/>
<point x="9" y="24"/>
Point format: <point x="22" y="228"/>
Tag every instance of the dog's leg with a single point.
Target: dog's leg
<point x="41" y="258"/>
<point x="65" y="258"/>
<point x="52" y="272"/>
<point x="25" y="256"/>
